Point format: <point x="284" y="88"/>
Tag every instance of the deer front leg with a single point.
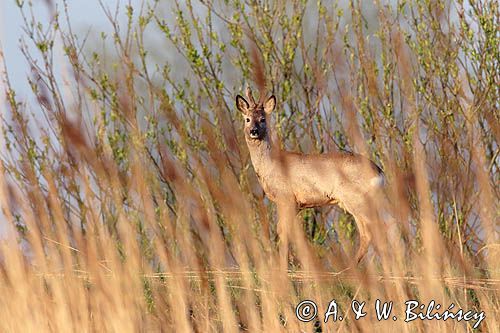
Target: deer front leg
<point x="286" y="215"/>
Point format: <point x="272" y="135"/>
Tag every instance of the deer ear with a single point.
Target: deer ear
<point x="242" y="104"/>
<point x="270" y="104"/>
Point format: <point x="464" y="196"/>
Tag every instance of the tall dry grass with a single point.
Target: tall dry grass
<point x="128" y="198"/>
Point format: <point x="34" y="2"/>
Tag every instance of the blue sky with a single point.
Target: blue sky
<point x="84" y="15"/>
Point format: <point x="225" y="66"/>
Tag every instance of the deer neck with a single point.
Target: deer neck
<point x="261" y="154"/>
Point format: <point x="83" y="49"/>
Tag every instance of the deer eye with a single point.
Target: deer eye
<point x="248" y="120"/>
<point x="262" y="120"/>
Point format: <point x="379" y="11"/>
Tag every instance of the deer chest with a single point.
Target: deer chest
<point x="274" y="185"/>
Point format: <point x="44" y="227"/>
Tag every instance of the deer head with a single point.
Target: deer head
<point x="255" y="115"/>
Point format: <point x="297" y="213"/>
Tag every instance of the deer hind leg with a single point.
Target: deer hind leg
<point x="365" y="237"/>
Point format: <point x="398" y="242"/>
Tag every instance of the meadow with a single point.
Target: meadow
<point x="129" y="202"/>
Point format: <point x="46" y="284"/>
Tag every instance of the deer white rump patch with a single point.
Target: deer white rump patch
<point x="377" y="181"/>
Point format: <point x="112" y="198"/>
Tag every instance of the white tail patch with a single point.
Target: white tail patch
<point x="377" y="181"/>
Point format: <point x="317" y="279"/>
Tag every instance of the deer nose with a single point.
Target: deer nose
<point x="254" y="131"/>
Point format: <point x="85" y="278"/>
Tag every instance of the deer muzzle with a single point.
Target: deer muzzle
<point x="254" y="133"/>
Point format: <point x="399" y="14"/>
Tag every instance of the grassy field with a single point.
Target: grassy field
<point x="130" y="204"/>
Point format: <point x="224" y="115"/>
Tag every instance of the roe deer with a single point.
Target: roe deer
<point x="349" y="180"/>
